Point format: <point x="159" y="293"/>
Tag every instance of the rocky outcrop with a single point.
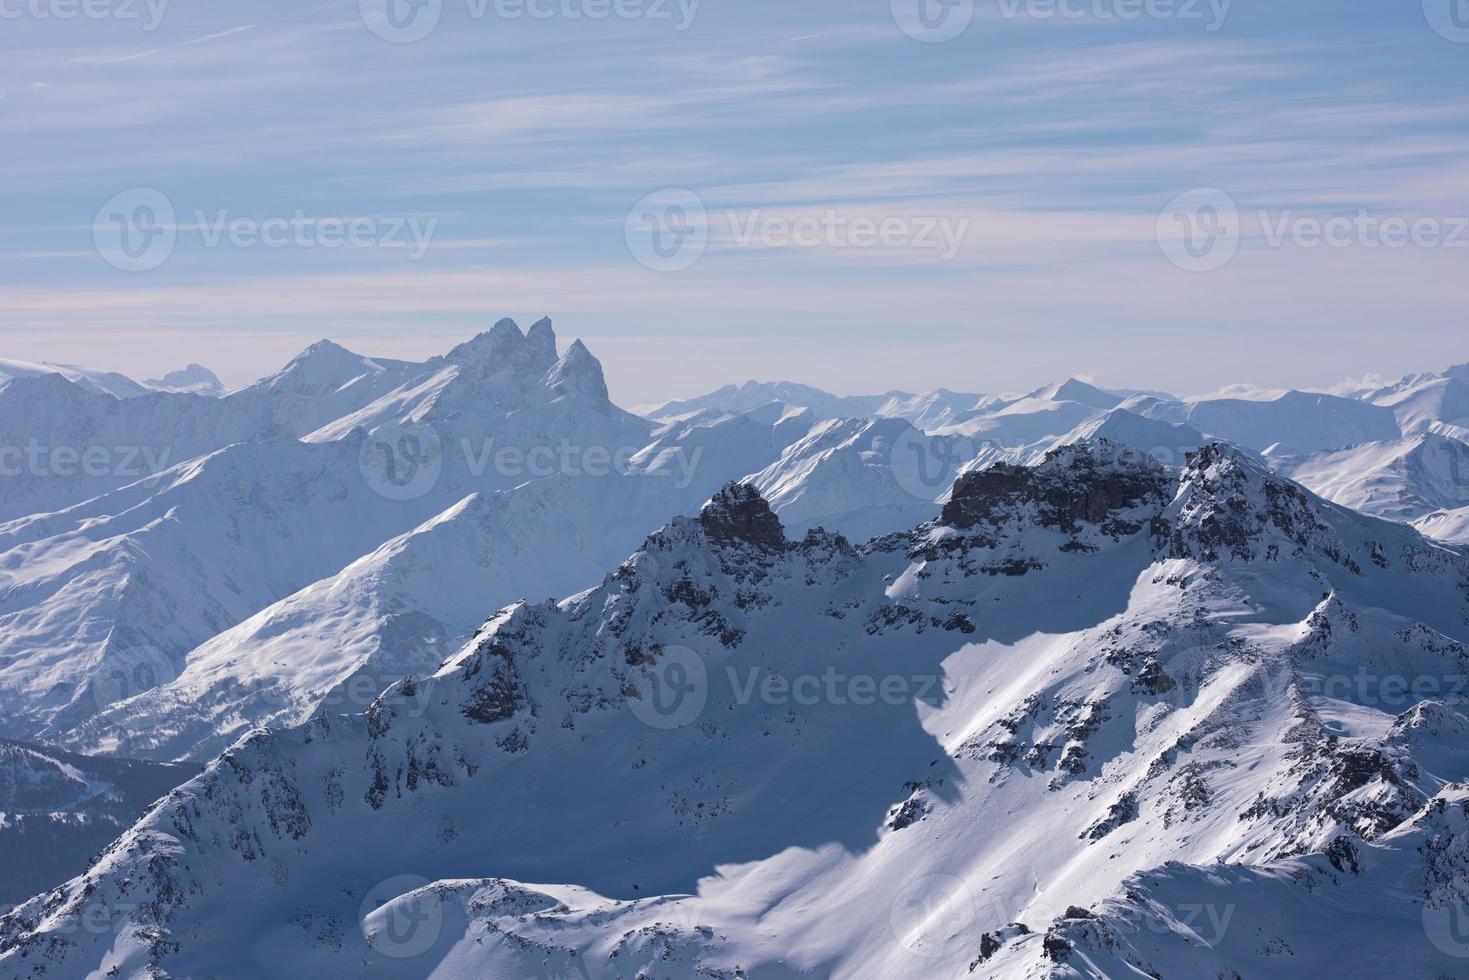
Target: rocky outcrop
<point x="739" y="515"/>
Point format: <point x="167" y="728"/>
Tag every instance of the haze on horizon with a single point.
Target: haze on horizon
<point x="505" y="165"/>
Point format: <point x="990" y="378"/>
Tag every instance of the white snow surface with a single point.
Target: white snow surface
<point x="1041" y="685"/>
<point x="1038" y="737"/>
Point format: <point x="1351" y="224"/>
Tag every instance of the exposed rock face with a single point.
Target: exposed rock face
<point x="1085" y="482"/>
<point x="58" y="809"/>
<point x="579" y="372"/>
<point x="739" y="515"/>
<point x="754" y="701"/>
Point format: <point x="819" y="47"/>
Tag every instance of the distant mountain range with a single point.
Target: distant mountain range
<point x="921" y="684"/>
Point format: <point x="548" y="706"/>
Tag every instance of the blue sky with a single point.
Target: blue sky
<point x="525" y="144"/>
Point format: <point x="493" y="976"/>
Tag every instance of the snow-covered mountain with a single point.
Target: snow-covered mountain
<point x="1295" y="422"/>
<point x="143" y="586"/>
<point x="862" y="477"/>
<point x="1403" y="479"/>
<point x="1451" y="526"/>
<point x="58" y="810"/>
<point x="929" y="410"/>
<point x="1427" y="402"/>
<point x="102" y="382"/>
<point x="194" y="379"/>
<point x="1043" y="735"/>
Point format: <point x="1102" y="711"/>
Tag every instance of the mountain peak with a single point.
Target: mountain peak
<point x="541" y="337"/>
<point x="505" y="345"/>
<point x="322" y="367"/>
<point x="1076" y="390"/>
<point x="195" y="378"/>
<point x="1085" y="481"/>
<point x="580" y="372"/>
<point x="738" y="514"/>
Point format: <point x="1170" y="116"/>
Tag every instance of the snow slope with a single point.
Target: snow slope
<point x="58" y="810"/>
<point x="929" y="410"/>
<point x="862" y="477"/>
<point x="124" y="593"/>
<point x="1295" y="422"/>
<point x="1428" y="402"/>
<point x="1404" y="479"/>
<point x="102" y="382"/>
<point x="194" y="379"/>
<point x="746" y="755"/>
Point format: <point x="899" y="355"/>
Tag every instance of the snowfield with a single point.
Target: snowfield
<point x="749" y="755"/>
<point x="1067" y="683"/>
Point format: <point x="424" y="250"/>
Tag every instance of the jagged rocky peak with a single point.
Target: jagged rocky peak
<point x="541" y="339"/>
<point x="579" y="372"/>
<point x="196" y="378"/>
<point x="504" y="346"/>
<point x="1086" y="481"/>
<point x="1230" y="505"/>
<point x="738" y="514"/>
